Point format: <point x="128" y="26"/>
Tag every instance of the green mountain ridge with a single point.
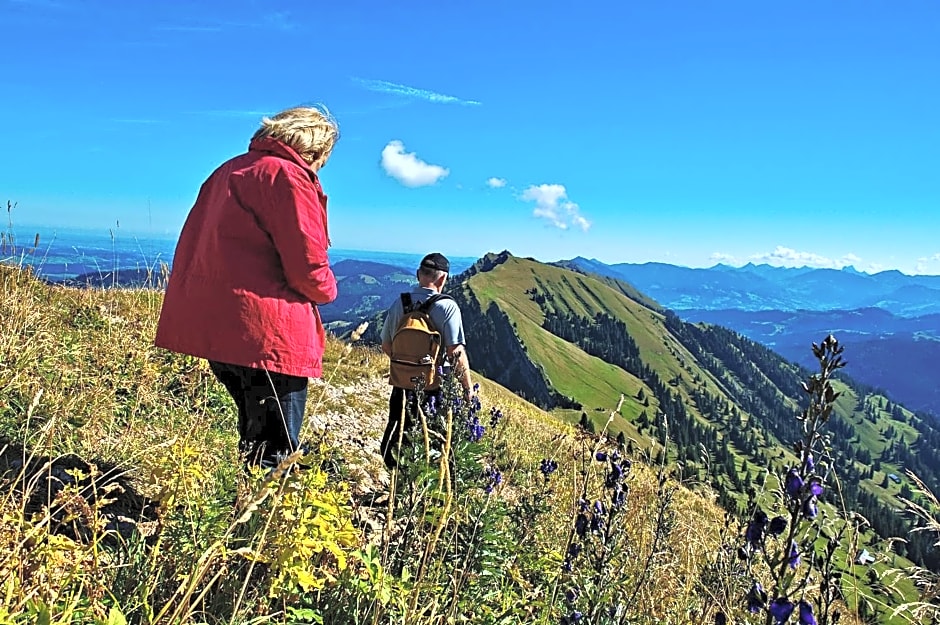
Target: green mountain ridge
<point x="574" y="342"/>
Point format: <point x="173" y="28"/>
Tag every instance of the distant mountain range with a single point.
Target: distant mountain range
<point x="763" y="287"/>
<point x="890" y="321"/>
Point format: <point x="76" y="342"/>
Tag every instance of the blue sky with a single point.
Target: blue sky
<point x="797" y="133"/>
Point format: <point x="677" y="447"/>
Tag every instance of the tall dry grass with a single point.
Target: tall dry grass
<point x="124" y="501"/>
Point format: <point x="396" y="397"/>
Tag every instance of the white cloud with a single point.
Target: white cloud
<point x="407" y="168"/>
<point x="789" y="257"/>
<point x="553" y="205"/>
<point x="924" y="263"/>
<point x="721" y="257"/>
<point x="496" y="183"/>
<point x="383" y="86"/>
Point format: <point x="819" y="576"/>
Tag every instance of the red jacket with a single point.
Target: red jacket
<point x="251" y="265"/>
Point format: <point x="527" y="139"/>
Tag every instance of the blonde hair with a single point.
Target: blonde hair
<point x="310" y="130"/>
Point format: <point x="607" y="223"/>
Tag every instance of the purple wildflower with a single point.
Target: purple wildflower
<point x="794" y="557"/>
<point x="581" y="524"/>
<point x="597" y="517"/>
<point x="721" y="619"/>
<point x="810" y="509"/>
<point x="493" y="478"/>
<point x="495" y="416"/>
<point x="475" y="430"/>
<point x="754" y="534"/>
<point x="756" y="598"/>
<point x="777" y="525"/>
<point x="572" y="594"/>
<point x="815" y="486"/>
<point x="600" y="456"/>
<point x="806" y="614"/>
<point x="781" y="609"/>
<point x="571" y="619"/>
<point x="475" y="405"/>
<point x="619" y="497"/>
<point x="548" y="467"/>
<point x="613" y="476"/>
<point x="810" y="463"/>
<point x="793" y="483"/>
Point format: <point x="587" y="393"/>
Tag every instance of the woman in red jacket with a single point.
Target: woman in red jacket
<point x="249" y="270"/>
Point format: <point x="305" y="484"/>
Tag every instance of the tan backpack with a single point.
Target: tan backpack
<point x="416" y="347"/>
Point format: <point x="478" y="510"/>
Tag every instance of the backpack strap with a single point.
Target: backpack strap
<point x="406" y="303"/>
<point x="425" y="306"/>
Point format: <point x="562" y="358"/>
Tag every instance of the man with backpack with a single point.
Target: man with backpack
<point x="423" y="337"/>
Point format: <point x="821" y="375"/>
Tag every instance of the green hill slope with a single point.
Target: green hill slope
<point x="574" y="343"/>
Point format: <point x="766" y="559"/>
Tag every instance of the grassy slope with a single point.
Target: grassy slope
<point x="101" y="391"/>
<point x="78" y="373"/>
<point x="594" y="383"/>
<point x="598" y="385"/>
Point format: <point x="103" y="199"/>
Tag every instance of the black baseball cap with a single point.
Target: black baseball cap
<point x="436" y="260"/>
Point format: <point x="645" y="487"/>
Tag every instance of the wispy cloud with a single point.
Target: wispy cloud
<point x="275" y="20"/>
<point x="553" y="205"/>
<point x="382" y="86"/>
<point x="789" y="257"/>
<point x="496" y="183"/>
<point x="407" y="168"/>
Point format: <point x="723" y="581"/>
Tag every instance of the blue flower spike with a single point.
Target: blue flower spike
<point x="806" y="614"/>
<point x="754" y="534"/>
<point x="793" y="483"/>
<point x="815" y="486"/>
<point x="781" y="609"/>
<point x="810" y="509"/>
<point x="794" y="557"/>
<point x="756" y="598"/>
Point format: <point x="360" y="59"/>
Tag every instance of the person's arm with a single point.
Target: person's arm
<point x="457" y="355"/>
<point x="387" y="348"/>
<point x="296" y="221"/>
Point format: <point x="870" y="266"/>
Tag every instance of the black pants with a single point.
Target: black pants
<point x="270" y="411"/>
<point x="402" y="411"/>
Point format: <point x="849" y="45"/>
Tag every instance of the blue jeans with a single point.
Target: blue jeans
<point x="270" y="411"/>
